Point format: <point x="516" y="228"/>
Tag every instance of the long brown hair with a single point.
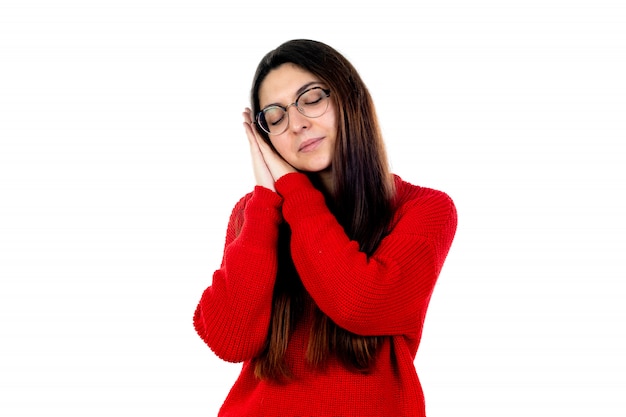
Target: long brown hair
<point x="361" y="201"/>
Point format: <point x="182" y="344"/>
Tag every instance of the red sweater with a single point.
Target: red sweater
<point x="387" y="294"/>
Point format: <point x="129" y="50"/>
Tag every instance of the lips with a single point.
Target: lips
<point x="310" y="145"/>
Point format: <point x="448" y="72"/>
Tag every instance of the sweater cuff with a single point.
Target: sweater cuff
<point x="301" y="199"/>
<point x="265" y="197"/>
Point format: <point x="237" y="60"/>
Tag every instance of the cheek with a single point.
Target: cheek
<point x="280" y="146"/>
<point x="332" y="118"/>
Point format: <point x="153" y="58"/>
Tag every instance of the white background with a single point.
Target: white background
<point x="122" y="154"/>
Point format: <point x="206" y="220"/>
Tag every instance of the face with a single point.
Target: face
<point x="308" y="144"/>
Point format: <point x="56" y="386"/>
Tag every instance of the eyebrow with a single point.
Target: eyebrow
<point x="298" y="92"/>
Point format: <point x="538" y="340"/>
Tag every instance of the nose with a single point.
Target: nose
<point x="297" y="120"/>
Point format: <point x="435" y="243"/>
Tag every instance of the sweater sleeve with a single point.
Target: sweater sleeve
<point x="385" y="294"/>
<point x="233" y="314"/>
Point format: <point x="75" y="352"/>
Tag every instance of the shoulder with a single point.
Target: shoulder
<point x="409" y="194"/>
<point x="430" y="209"/>
<point x="235" y="222"/>
<point x="259" y="196"/>
<point x="261" y="203"/>
<point x="242" y="202"/>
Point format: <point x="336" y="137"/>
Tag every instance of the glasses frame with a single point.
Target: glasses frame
<point x="295" y="103"/>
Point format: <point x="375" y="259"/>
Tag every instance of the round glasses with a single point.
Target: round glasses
<point x="312" y="103"/>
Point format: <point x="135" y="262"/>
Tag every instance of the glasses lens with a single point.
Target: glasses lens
<point x="313" y="102"/>
<point x="273" y="120"/>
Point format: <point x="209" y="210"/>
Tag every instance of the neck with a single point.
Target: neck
<point x="325" y="179"/>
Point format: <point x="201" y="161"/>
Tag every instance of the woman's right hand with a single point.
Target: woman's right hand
<point x="262" y="174"/>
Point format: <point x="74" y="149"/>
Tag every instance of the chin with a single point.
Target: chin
<point x="316" y="168"/>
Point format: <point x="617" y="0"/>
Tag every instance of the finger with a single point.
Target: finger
<point x="247" y="115"/>
<point x="269" y="155"/>
<point x="255" y="150"/>
<point x="250" y="126"/>
<point x="256" y="141"/>
<point x="250" y="132"/>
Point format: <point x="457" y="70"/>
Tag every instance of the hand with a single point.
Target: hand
<point x="262" y="174"/>
<point x="268" y="166"/>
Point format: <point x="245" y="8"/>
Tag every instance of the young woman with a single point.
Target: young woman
<point x="330" y="262"/>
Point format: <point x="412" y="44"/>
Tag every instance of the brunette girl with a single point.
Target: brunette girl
<point x="330" y="262"/>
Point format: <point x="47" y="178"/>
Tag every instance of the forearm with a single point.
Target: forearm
<point x="233" y="314"/>
<point x="382" y="294"/>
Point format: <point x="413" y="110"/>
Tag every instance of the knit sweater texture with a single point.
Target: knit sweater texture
<point x="385" y="294"/>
